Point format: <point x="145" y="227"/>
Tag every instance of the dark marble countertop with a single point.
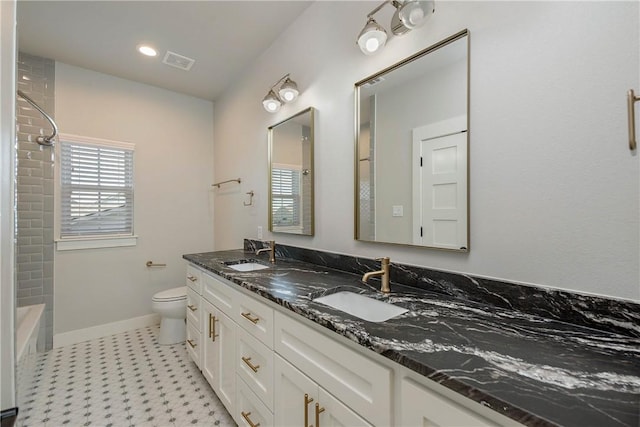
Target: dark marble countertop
<point x="537" y="371"/>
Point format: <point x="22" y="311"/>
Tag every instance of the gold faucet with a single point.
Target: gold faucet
<point x="384" y="272"/>
<point x="271" y="249"/>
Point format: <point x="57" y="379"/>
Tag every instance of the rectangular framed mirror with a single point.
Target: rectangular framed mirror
<point x="412" y="145"/>
<point x="291" y="175"/>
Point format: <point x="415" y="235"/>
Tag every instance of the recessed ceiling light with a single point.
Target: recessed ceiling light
<point x="147" y="50"/>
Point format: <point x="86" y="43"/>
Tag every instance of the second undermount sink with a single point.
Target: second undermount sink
<point x="361" y="306"/>
<point x="245" y="265"/>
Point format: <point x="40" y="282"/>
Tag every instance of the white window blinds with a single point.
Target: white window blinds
<point x="96" y="189"/>
<point x="285" y="196"/>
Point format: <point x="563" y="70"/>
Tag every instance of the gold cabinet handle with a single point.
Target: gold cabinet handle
<point x="250" y="318"/>
<point x="307" y="400"/>
<point x="319" y="410"/>
<point x="192" y="344"/>
<point x="212" y="327"/>
<point x="192" y="278"/>
<point x="245" y="415"/>
<point x="192" y="307"/>
<point x="247" y="361"/>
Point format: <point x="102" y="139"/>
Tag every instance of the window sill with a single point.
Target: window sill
<point x="95" y="243"/>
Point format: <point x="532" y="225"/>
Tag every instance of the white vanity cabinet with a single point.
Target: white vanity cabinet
<point x="271" y="367"/>
<point x="237" y="350"/>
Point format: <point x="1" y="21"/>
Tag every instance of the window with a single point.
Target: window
<point x="96" y="190"/>
<point x="286" y="197"/>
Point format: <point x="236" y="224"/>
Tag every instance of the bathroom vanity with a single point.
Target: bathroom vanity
<point x="276" y="357"/>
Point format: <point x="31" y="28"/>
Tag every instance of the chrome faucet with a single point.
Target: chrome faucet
<point x="384" y="272"/>
<point x="271" y="249"/>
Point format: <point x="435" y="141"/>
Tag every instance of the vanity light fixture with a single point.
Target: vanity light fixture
<point x="287" y="92"/>
<point x="409" y="14"/>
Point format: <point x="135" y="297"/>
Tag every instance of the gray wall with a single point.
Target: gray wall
<point x="554" y="188"/>
<point x="34" y="192"/>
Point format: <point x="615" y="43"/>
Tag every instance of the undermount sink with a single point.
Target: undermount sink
<point x="361" y="306"/>
<point x="245" y="265"/>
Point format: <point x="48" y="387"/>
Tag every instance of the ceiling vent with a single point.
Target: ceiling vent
<point x="374" y="82"/>
<point x="178" y="61"/>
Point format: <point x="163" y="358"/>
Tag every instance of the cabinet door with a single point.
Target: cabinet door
<point x="361" y="383"/>
<point x="330" y="412"/>
<point x="296" y="395"/>
<point x="420" y="406"/>
<point x="219" y="353"/>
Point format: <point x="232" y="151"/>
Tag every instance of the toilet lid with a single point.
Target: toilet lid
<point x="173" y="294"/>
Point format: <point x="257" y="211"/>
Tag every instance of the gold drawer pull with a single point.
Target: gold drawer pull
<point x="192" y="344"/>
<point x="245" y="415"/>
<point x="307" y="400"/>
<point x="250" y="318"/>
<point x="212" y="327"/>
<point x="253" y="367"/>
<point x="192" y="278"/>
<point x="192" y="307"/>
<point x="319" y="410"/>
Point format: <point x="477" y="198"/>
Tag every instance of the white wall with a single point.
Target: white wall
<point x="173" y="134"/>
<point x="554" y="189"/>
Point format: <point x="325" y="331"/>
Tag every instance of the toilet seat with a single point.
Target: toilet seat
<point x="174" y="294"/>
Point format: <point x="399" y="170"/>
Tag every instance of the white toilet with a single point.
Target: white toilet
<point x="172" y="307"/>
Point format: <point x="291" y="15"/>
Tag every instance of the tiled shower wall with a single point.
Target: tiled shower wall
<point x="34" y="249"/>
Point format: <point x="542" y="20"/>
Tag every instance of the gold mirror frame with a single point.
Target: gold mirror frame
<point x="305" y="198"/>
<point x="357" y="158"/>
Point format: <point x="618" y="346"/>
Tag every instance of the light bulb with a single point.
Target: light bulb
<point x="372" y="45"/>
<point x="288" y="95"/>
<point x="147" y="50"/>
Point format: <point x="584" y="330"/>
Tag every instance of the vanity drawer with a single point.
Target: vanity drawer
<point x="250" y="411"/>
<point x="193" y="344"/>
<point x="254" y="365"/>
<point x="256" y="318"/>
<point x="193" y="309"/>
<point x="193" y="278"/>
<point x="359" y="382"/>
<point x="219" y="294"/>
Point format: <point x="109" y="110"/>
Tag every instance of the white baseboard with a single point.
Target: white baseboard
<point x="80" y="335"/>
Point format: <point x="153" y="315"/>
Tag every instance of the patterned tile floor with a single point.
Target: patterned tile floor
<point x="121" y="380"/>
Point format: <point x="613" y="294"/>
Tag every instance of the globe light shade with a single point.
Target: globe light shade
<point x="372" y="37"/>
<point x="288" y="91"/>
<point x="271" y="102"/>
<point x="414" y="13"/>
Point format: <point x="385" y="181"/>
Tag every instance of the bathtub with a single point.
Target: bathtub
<point x="27" y="329"/>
